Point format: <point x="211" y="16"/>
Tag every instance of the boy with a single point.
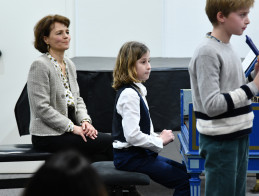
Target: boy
<point x="221" y="99"/>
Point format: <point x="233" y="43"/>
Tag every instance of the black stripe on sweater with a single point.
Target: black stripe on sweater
<point x="229" y="101"/>
<point x="235" y="112"/>
<point x="230" y="136"/>
<point x="250" y="79"/>
<point x="247" y="90"/>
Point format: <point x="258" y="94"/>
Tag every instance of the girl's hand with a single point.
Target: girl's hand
<point x="167" y="136"/>
<point x="89" y="130"/>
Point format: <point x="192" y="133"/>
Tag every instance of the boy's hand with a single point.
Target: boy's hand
<point x="167" y="136"/>
<point x="256" y="68"/>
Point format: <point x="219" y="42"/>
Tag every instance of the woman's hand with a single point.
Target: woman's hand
<point x="79" y="131"/>
<point x="89" y="130"/>
<point x="167" y="136"/>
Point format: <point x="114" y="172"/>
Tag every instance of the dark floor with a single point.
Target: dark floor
<point x="171" y="151"/>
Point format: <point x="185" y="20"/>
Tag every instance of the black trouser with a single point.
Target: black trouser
<point x="99" y="149"/>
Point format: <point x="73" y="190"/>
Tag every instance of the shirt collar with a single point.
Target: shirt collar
<point x="142" y="88"/>
<point x="208" y="35"/>
<point x="53" y="59"/>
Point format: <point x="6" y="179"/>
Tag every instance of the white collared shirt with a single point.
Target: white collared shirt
<point x="128" y="106"/>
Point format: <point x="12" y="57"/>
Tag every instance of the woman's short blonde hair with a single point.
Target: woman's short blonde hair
<point x="125" y="67"/>
<point x="226" y="7"/>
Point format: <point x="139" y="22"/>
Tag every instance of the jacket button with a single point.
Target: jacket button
<point x="62" y="96"/>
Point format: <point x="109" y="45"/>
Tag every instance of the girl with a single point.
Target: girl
<point x="135" y="144"/>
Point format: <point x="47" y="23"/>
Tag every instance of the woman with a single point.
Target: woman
<point x="59" y="117"/>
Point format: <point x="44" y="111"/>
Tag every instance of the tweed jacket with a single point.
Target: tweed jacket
<point x="48" y="107"/>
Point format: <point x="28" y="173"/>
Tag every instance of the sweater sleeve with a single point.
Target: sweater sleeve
<point x="213" y="99"/>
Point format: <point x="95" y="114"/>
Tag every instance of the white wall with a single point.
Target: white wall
<point x="186" y="23"/>
<point x="103" y="26"/>
<point x="170" y="28"/>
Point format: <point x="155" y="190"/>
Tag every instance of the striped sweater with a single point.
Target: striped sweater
<point x="220" y="93"/>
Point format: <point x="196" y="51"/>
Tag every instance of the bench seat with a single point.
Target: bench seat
<point x="17" y="153"/>
<point x="21" y="152"/>
<point x="114" y="179"/>
<point x="112" y="176"/>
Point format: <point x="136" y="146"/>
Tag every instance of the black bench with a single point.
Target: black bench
<point x="117" y="181"/>
<point x="17" y="153"/>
